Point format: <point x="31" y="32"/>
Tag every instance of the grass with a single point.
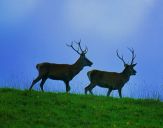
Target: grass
<point x="40" y="110"/>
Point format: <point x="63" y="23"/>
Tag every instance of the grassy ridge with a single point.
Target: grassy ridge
<point x="39" y="110"/>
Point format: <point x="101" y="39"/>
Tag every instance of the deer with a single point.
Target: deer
<point x="112" y="80"/>
<point x="63" y="72"/>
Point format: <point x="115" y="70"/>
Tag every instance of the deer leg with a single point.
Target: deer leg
<point x="34" y="82"/>
<point x="42" y="83"/>
<point x="109" y="91"/>
<point x="67" y="87"/>
<point x="120" y="93"/>
<point x="89" y="88"/>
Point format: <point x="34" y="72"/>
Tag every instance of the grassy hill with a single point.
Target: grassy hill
<point x="24" y="109"/>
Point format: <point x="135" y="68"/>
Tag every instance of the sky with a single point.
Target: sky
<point x="37" y="31"/>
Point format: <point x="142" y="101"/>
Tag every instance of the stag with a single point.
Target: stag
<point x="63" y="72"/>
<point x="112" y="80"/>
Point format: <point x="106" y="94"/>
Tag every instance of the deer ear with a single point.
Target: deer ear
<point x="125" y="65"/>
<point x="134" y="65"/>
<point x="82" y="54"/>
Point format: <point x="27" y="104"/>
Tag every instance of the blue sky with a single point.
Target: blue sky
<point x="35" y="31"/>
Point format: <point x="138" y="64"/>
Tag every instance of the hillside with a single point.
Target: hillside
<point x="24" y="109"/>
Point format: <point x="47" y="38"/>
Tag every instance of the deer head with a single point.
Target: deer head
<point x="83" y="59"/>
<point x="129" y="68"/>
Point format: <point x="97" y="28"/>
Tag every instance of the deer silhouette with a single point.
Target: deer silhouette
<point x="63" y="72"/>
<point x="112" y="80"/>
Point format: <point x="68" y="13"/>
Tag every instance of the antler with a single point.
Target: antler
<point x="73" y="48"/>
<point x="79" y="47"/>
<point x="133" y="55"/>
<point x="121" y="58"/>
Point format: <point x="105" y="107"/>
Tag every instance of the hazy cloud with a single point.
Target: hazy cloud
<point x="14" y="11"/>
<point x="107" y="18"/>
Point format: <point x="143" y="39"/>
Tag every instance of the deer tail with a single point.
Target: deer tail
<point x="38" y="66"/>
<point x="89" y="75"/>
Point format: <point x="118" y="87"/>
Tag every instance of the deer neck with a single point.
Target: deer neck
<point x="77" y="67"/>
<point x="126" y="75"/>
